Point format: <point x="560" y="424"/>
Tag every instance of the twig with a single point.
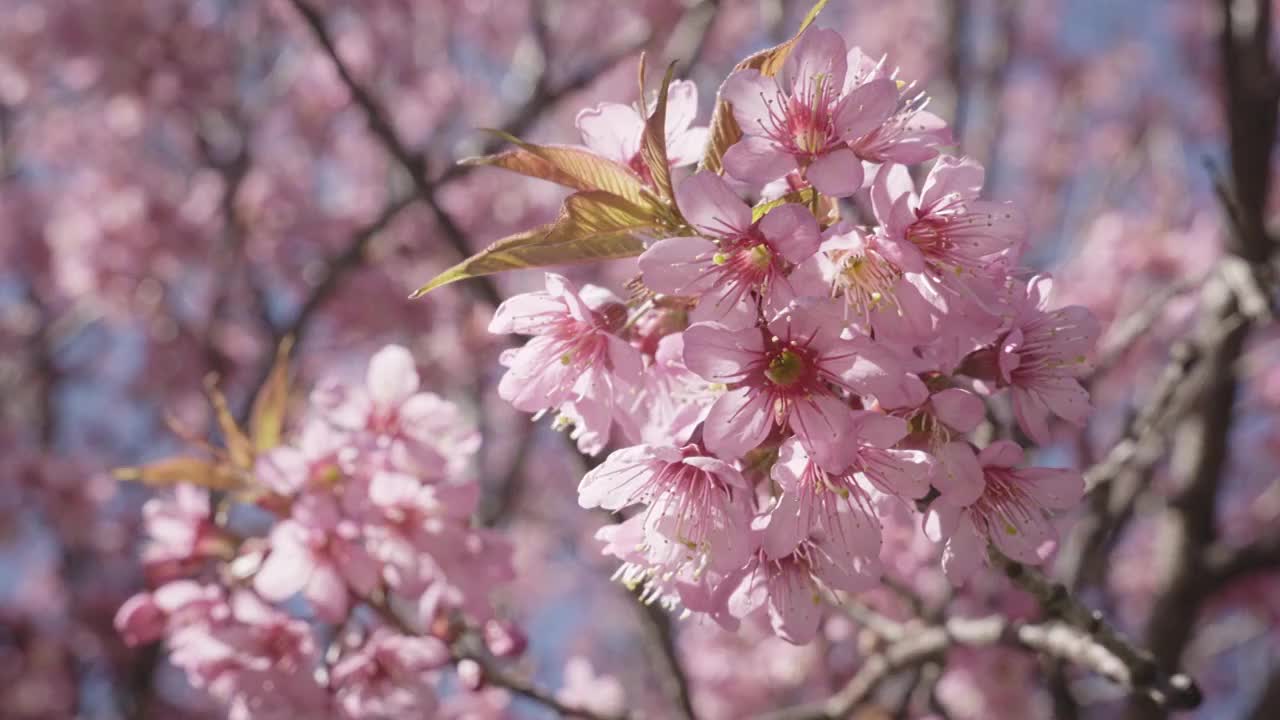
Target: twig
<point x="1252" y="99"/>
<point x="1141" y="671"/>
<point x="466" y="647"/>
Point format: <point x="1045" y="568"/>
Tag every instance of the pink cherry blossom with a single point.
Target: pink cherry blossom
<point x="910" y="134"/>
<point x="1011" y="511"/>
<point x="839" y="504"/>
<point x="792" y="586"/>
<point x="878" y="293"/>
<point x="784" y="375"/>
<point x="734" y="257"/>
<point x="389" y="675"/>
<point x="574" y="358"/>
<point x="697" y="501"/>
<point x="806" y="119"/>
<point x="1042" y="356"/>
<point x="614" y="130"/>
<point x="416" y="429"/>
<point x="321" y="554"/>
<point x="948" y="235"/>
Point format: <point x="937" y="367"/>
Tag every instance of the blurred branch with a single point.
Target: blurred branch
<point x="1224" y="565"/>
<point x="1074" y="635"/>
<point x="959" y="74"/>
<point x="689" y="38"/>
<point x="1128" y="329"/>
<point x="1252" y="99"/>
<point x="413" y="162"/>
<point x="468" y="647"/>
<point x="662" y="638"/>
<point x="1267" y="706"/>
<point x="1140" y="672"/>
<point x="986" y="144"/>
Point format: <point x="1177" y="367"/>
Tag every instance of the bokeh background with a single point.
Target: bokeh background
<point x="183" y="183"/>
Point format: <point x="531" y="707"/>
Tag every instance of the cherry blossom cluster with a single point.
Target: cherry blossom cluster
<point x="779" y="378"/>
<point x="355" y="569"/>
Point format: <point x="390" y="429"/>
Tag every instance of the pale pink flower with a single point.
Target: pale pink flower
<point x="950" y="237"/>
<point x="806" y="119"/>
<point x="911" y="134"/>
<point x="840" y="504"/>
<point x="734" y="257"/>
<point x="320" y="554"/>
<point x="574" y="358"/>
<point x="180" y="531"/>
<point x="584" y="688"/>
<point x="1010" y="510"/>
<point x="695" y="500"/>
<point x="895" y="305"/>
<point x="614" y="130"/>
<point x="389" y="675"/>
<point x="792" y="586"/>
<point x="784" y="375"/>
<point x="140" y="620"/>
<point x="1042" y="356"/>
<point x="672" y="400"/>
<point x="664" y="570"/>
<point x="949" y="413"/>
<point x="418" y="430"/>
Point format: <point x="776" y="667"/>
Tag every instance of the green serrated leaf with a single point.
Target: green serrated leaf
<point x="572" y="167"/>
<point x="593" y="225"/>
<point x="266" y="421"/>
<point x="183" y="470"/>
<point x="653" y="144"/>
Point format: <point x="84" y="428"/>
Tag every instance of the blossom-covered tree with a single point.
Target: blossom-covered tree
<point x="901" y="359"/>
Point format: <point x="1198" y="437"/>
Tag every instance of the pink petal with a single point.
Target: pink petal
<point x="959" y="409"/>
<point x="753" y="98"/>
<point x="866" y="108"/>
<point x="787" y="525"/>
<point x="677" y="265"/>
<point x="286" y="569"/>
<point x="1001" y="453"/>
<point x="758" y="160"/>
<point x="964" y="553"/>
<point x="392" y="376"/>
<point x="795" y="607"/>
<point x="1054" y="488"/>
<point x="615" y="483"/>
<point x="962" y="176"/>
<point x="719" y="354"/>
<point x="879" y="430"/>
<point x="1032" y="414"/>
<point x="822" y="422"/>
<point x="612" y="130"/>
<point x="327" y="593"/>
<point x="959" y="477"/>
<point x="738" y="422"/>
<point x="792" y="231"/>
<point x="682" y="106"/>
<point x="819" y="53"/>
<point x="850" y="551"/>
<point x="837" y="173"/>
<point x="904" y="473"/>
<point x="711" y="206"/>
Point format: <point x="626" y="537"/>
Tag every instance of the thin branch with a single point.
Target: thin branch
<point x="413" y="162"/>
<point x="1142" y="674"/>
<point x="1252" y="104"/>
<point x="662" y="636"/>
<point x="467" y="647"/>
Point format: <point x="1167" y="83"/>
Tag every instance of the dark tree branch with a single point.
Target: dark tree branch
<point x="1141" y="672"/>
<point x="1252" y="97"/>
